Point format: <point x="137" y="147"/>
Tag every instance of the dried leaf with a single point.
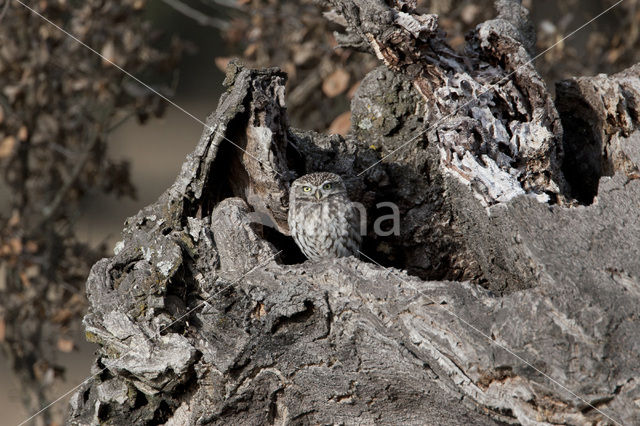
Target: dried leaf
<point x="108" y="53"/>
<point x="23" y="134"/>
<point x="341" y="124"/>
<point x="352" y="91"/>
<point x="291" y="70"/>
<point x="12" y="92"/>
<point x="25" y="280"/>
<point x="32" y="271"/>
<point x="77" y="299"/>
<point x="336" y="83"/>
<point x="470" y="13"/>
<point x="305" y="52"/>
<point x="62" y="316"/>
<point x="65" y="345"/>
<point x="16" y="245"/>
<point x="3" y="329"/>
<point x="31" y="246"/>
<point x="14" y="219"/>
<point x="222" y="62"/>
<point x="614" y="54"/>
<point x="250" y="50"/>
<point x="6" y="146"/>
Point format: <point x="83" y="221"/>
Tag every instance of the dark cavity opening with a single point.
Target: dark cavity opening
<point x="583" y="164"/>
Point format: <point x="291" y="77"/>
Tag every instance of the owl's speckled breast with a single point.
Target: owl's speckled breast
<point x="325" y="229"/>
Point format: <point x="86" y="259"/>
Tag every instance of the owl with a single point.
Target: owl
<point x="323" y="221"/>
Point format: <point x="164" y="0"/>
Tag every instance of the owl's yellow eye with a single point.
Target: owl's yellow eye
<point x="306" y="188"/>
<point x="327" y="186"/>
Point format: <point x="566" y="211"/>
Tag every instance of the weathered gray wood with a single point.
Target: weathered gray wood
<point x="599" y="114"/>
<point x="201" y="321"/>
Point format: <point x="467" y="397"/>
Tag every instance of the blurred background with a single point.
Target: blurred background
<point x="83" y="147"/>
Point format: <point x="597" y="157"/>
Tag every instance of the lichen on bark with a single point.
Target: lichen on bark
<point x="496" y="306"/>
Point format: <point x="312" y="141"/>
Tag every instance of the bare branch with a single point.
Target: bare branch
<point x="52" y="208"/>
<point x="232" y="4"/>
<point x="196" y="15"/>
<point x="5" y="7"/>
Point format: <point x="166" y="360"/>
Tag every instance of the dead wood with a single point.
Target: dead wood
<point x="529" y="313"/>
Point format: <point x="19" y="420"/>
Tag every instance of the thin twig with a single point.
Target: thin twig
<point x="213" y="128"/>
<point x="52" y="208"/>
<point x="196" y="15"/>
<point x="5" y="7"/>
<point x="121" y="122"/>
<point x="232" y="4"/>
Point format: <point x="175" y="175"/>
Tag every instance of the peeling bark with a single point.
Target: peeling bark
<point x="206" y="315"/>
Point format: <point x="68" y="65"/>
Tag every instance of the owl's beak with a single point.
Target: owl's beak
<point x="318" y="195"/>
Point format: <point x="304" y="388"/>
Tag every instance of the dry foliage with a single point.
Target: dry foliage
<point x="295" y="36"/>
<point x="58" y="104"/>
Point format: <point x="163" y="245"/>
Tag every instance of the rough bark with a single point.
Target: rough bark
<point x="207" y="315"/>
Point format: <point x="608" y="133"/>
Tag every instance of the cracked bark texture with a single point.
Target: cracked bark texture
<point x="504" y="275"/>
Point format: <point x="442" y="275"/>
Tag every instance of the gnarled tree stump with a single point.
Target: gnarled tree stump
<point x="511" y="293"/>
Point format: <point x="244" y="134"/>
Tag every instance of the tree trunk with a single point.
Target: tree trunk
<point x="510" y="295"/>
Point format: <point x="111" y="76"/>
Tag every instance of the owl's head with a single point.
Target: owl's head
<point x="317" y="187"/>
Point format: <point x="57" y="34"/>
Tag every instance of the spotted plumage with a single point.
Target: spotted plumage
<point x="323" y="221"/>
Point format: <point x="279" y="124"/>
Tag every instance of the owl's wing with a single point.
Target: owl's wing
<point x="358" y="221"/>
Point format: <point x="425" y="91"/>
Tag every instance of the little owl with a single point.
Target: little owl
<point x="322" y="219"/>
